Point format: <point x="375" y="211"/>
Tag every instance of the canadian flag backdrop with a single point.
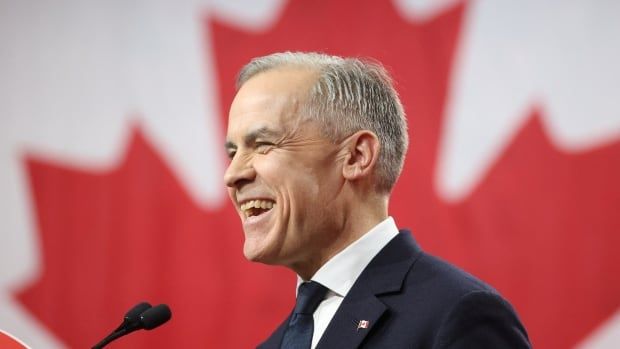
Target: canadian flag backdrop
<point x="112" y="119"/>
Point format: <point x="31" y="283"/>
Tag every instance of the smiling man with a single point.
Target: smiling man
<point x="316" y="144"/>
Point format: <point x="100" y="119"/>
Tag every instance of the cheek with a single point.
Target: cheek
<point x="270" y="166"/>
<point x="299" y="180"/>
<point x="328" y="177"/>
<point x="231" y="194"/>
<point x="284" y="174"/>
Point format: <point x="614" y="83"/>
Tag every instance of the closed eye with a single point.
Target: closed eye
<point x="231" y="149"/>
<point x="263" y="147"/>
<point x="231" y="153"/>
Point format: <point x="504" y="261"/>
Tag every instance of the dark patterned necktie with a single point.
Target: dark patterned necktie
<point x="298" y="334"/>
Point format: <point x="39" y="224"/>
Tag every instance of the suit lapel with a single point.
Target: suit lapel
<point x="362" y="308"/>
<point x="346" y="329"/>
<point x="384" y="275"/>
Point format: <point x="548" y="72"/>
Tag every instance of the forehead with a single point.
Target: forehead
<point x="269" y="99"/>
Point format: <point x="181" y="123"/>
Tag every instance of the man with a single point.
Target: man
<point x="316" y="144"/>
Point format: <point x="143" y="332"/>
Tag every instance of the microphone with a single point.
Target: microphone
<point x="155" y="317"/>
<point x="133" y="315"/>
<point x="141" y="316"/>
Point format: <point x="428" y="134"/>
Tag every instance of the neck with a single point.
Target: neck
<point x="358" y="219"/>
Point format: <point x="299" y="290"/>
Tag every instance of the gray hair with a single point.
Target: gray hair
<point x="349" y="95"/>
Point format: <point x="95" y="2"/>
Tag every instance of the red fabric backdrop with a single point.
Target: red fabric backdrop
<point x="541" y="224"/>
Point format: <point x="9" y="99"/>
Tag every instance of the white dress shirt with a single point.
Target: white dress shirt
<point x="342" y="270"/>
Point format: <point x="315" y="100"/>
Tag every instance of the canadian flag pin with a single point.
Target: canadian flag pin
<point x="363" y="324"/>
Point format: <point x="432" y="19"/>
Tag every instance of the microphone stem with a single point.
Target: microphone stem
<point x="114" y="335"/>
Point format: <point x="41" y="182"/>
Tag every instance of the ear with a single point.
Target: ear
<point x="361" y="154"/>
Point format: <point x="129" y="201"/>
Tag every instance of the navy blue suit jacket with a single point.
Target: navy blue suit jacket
<point x="414" y="300"/>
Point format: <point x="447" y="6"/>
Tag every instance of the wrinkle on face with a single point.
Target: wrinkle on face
<point x="288" y="157"/>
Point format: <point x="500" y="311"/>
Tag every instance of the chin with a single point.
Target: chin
<point x="261" y="247"/>
<point x="250" y="253"/>
<point x="254" y="253"/>
<point x="258" y="255"/>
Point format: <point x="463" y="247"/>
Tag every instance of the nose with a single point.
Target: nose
<point x="239" y="172"/>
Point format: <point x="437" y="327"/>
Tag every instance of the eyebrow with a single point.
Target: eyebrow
<point x="252" y="136"/>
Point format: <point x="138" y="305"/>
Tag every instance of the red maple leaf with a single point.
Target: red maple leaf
<point x="541" y="226"/>
<point x="113" y="238"/>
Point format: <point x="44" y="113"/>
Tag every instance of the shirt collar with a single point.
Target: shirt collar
<point x="340" y="272"/>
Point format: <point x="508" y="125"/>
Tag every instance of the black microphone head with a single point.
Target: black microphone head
<point x="134" y="313"/>
<point x="155" y="316"/>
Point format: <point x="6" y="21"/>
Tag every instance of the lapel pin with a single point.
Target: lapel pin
<point x="363" y="324"/>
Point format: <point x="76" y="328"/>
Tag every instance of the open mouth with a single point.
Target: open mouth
<point x="256" y="207"/>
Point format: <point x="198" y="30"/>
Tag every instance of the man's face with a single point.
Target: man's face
<point x="284" y="177"/>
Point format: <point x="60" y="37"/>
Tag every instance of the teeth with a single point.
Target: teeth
<point x="262" y="204"/>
